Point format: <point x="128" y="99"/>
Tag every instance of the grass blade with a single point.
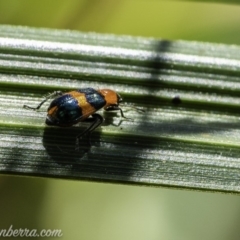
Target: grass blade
<point x="188" y="136"/>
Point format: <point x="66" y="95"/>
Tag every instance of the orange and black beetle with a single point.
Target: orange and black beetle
<point x="76" y="106"/>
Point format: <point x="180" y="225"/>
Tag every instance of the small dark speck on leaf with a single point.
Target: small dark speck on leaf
<point x="176" y="100"/>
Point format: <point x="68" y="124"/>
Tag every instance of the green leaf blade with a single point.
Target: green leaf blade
<point x="193" y="144"/>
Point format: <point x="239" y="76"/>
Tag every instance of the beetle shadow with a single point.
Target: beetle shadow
<point x="62" y="146"/>
<point x="109" y="119"/>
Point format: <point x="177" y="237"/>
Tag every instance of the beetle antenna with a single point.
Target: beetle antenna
<point x="133" y="107"/>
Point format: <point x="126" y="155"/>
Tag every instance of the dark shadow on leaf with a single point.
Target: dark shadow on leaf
<point x="60" y="143"/>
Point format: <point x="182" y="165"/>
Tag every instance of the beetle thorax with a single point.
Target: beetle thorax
<point x="111" y="97"/>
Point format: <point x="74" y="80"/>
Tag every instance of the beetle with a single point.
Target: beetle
<point x="67" y="109"/>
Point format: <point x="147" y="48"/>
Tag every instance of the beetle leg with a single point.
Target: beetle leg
<point x="51" y="95"/>
<point x="96" y="121"/>
<point x="114" y="108"/>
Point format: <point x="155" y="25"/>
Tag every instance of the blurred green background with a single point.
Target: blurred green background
<point x="84" y="210"/>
